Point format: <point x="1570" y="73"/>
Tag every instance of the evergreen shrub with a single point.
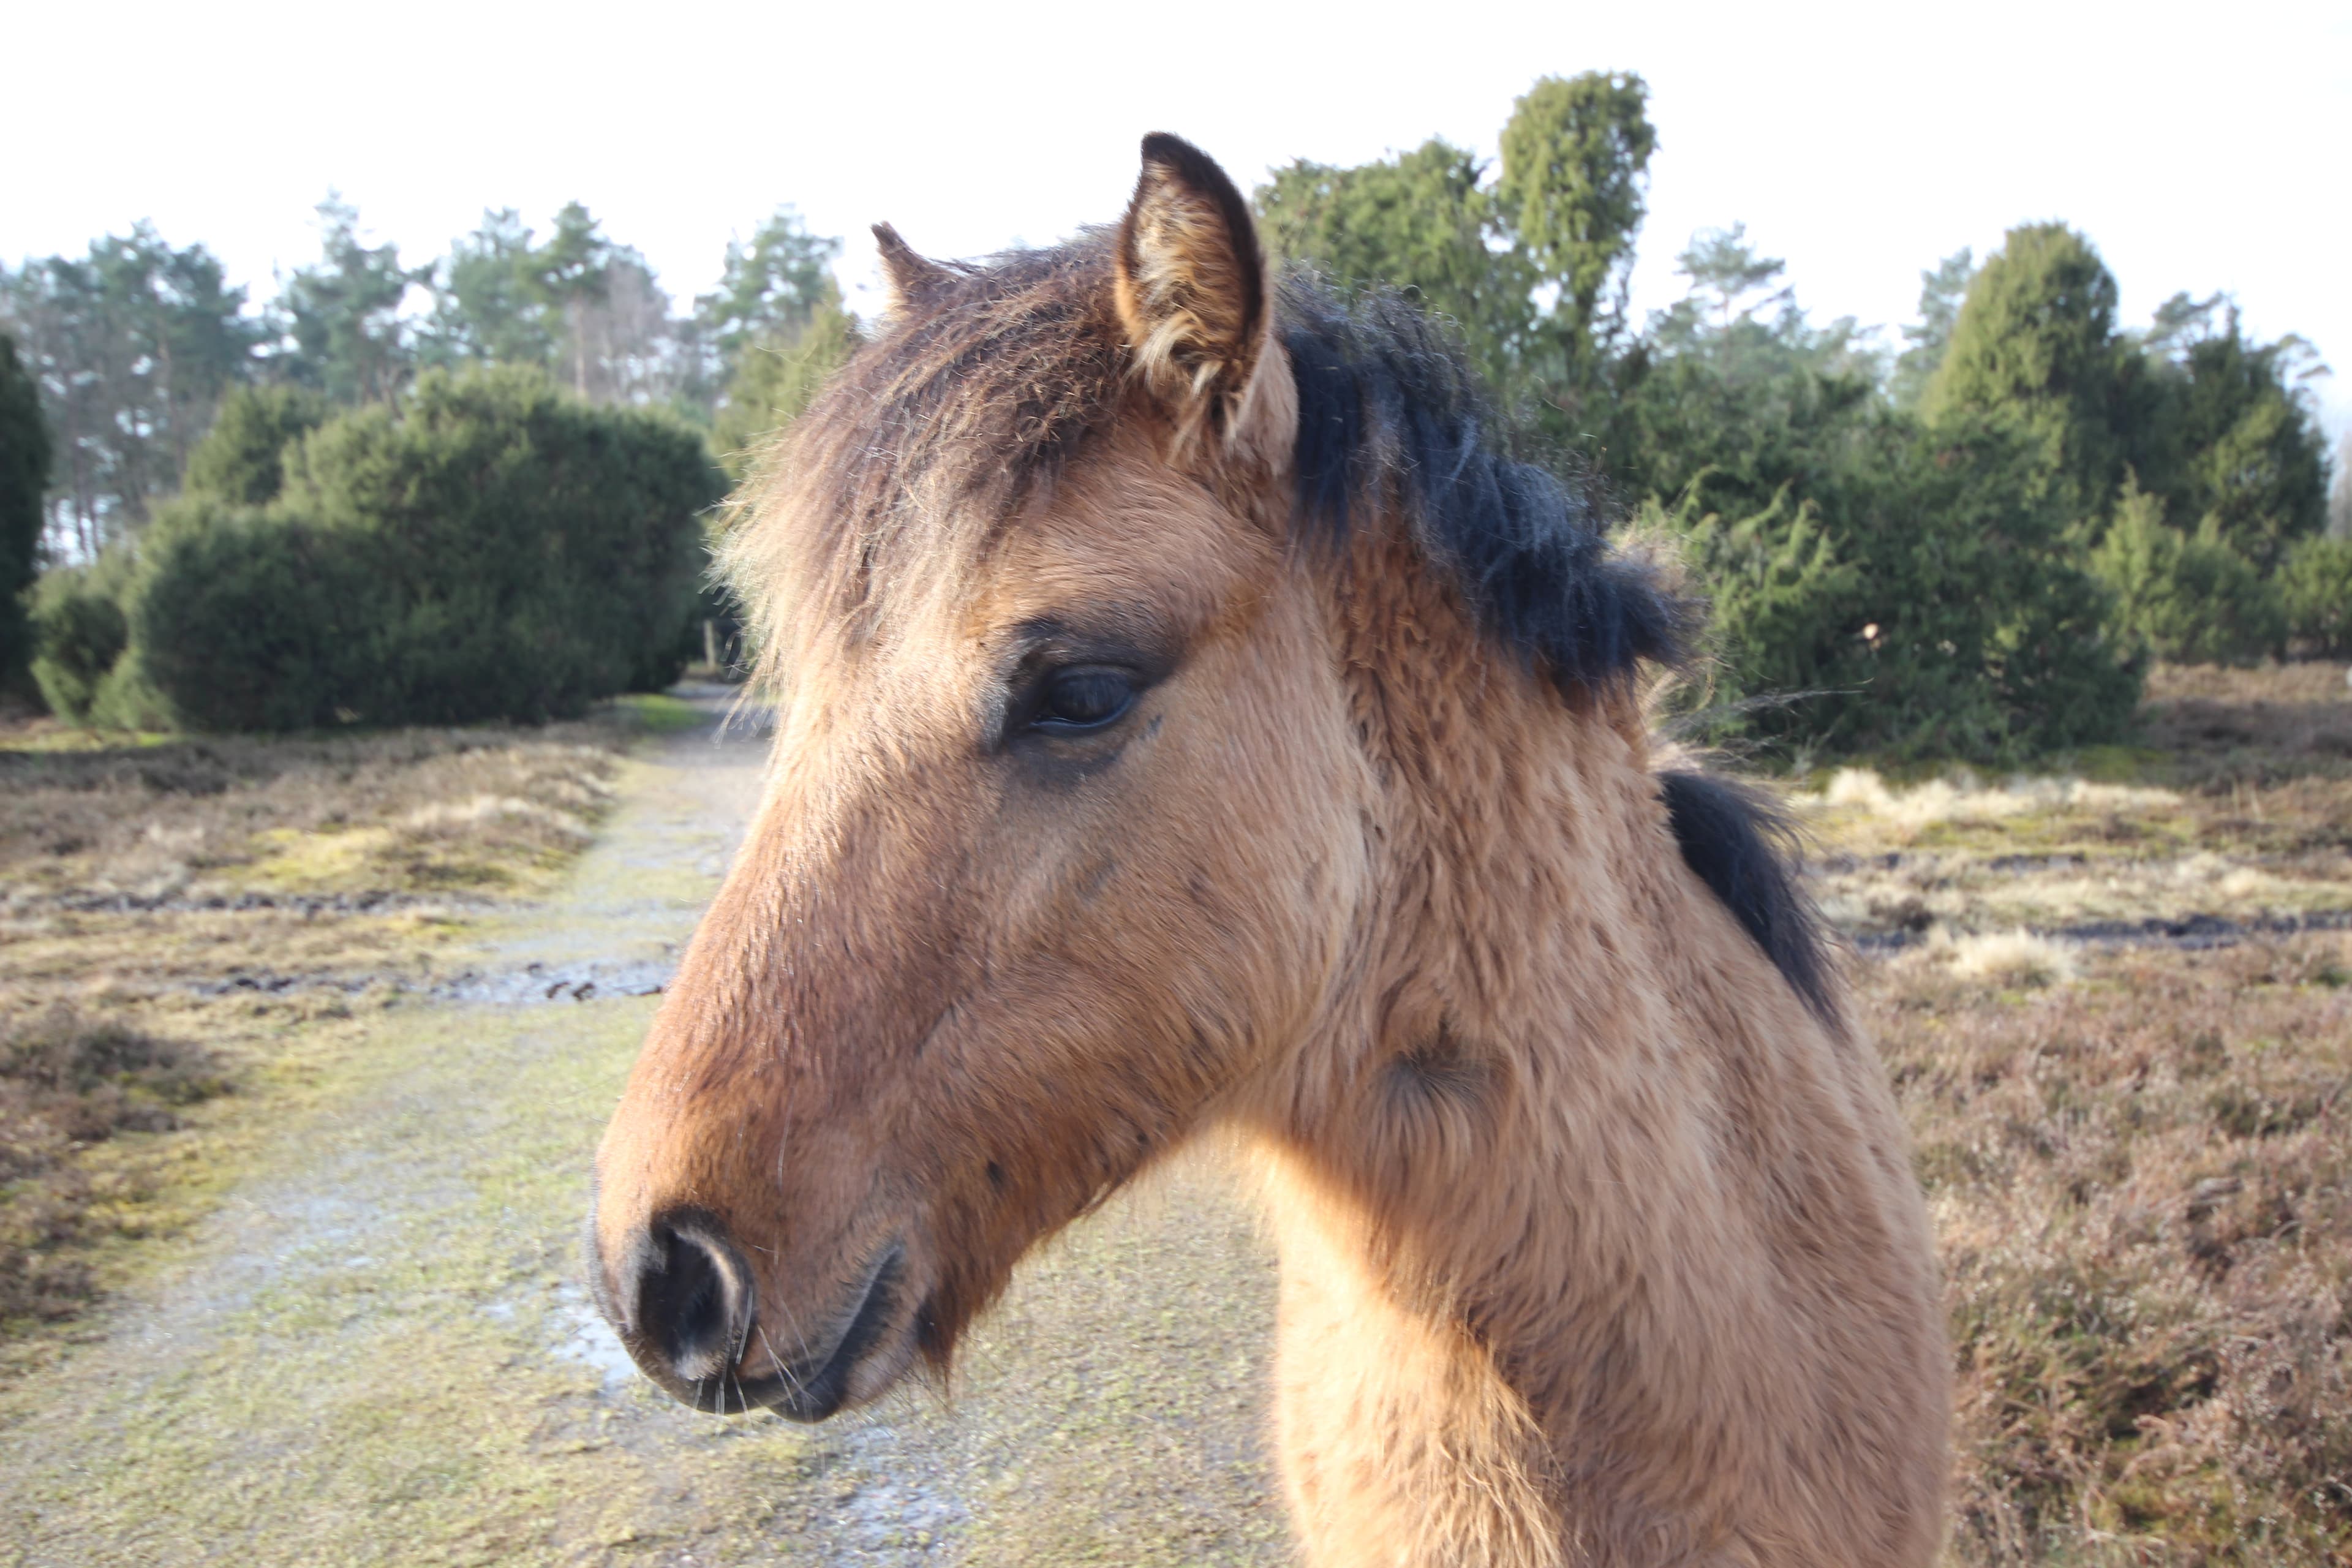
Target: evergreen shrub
<point x="487" y="548"/>
<point x="78" y="632"/>
<point x="2187" y="597"/>
<point x="241" y="459"/>
<point x="2316" y="587"/>
<point x="250" y="619"/>
<point x="24" y="453"/>
<point x="1930" y="607"/>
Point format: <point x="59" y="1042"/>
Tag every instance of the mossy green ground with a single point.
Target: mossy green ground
<point x="376" y="1349"/>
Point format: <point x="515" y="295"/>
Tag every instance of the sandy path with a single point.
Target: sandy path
<point x="377" y="1351"/>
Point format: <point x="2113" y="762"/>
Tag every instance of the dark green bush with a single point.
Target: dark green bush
<point x="658" y="668"/>
<point x="24" y="479"/>
<point x="2186" y="596"/>
<point x="1929" y="605"/>
<point x="533" y="552"/>
<point x="78" y="632"/>
<point x="241" y="459"/>
<point x="487" y="548"/>
<point x="2315" y="587"/>
<point x="127" y="700"/>
<point x="245" y="619"/>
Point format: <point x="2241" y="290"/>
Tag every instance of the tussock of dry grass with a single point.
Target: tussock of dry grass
<point x="1966" y="800"/>
<point x="2258" y="828"/>
<point x="406" y="810"/>
<point x="2016" y="958"/>
<point x="2319" y="682"/>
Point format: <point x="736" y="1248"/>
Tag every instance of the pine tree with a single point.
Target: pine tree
<point x="1576" y="160"/>
<point x="24" y="482"/>
<point x="2234" y="431"/>
<point x="769" y="292"/>
<point x="1941" y="292"/>
<point x="133" y="346"/>
<point x="2035" y="347"/>
<point x="488" y="304"/>
<point x="342" y="315"/>
<point x="1422" y="222"/>
<point x="773" y="382"/>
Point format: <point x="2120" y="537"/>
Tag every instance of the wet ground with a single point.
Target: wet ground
<point x="376" y="1349"/>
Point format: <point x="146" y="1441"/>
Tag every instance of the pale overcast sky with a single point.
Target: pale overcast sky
<point x="2202" y="147"/>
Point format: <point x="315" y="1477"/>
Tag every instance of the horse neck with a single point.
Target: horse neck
<point x="1592" y="1232"/>
<point x="1528" y="904"/>
<point x="1446" y="1168"/>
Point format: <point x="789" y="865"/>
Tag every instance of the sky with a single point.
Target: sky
<point x="2203" y="148"/>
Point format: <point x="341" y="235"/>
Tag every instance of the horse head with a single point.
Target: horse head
<point x="1064" y="834"/>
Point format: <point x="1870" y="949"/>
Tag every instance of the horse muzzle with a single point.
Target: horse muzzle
<point x="686" y="1304"/>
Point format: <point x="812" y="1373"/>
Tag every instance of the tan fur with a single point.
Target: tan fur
<point x="1598" y="1247"/>
<point x="908" y="276"/>
<point x="1191" y="295"/>
<point x="1678" y="1209"/>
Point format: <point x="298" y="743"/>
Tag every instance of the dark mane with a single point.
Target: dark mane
<point x="1386" y="405"/>
<point x="1728" y="834"/>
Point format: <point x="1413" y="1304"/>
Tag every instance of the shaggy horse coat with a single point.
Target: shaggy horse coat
<point x="1192" y="718"/>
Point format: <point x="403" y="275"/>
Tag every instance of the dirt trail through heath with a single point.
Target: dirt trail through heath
<point x="377" y="1349"/>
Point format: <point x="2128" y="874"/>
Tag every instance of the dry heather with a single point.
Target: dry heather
<point x="2143" y="1188"/>
<point x="2251" y="726"/>
<point x="2118" y="1016"/>
<point x="182" y="917"/>
<point x="66" y="1082"/>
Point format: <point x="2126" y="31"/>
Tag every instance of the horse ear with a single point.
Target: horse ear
<point x="1192" y="287"/>
<point x="909" y="275"/>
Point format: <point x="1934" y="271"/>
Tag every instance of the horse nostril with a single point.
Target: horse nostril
<point x="694" y="1297"/>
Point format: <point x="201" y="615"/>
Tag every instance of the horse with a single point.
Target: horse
<point x="1193" y="718"/>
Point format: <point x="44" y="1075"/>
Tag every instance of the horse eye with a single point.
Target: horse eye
<point x="1076" y="700"/>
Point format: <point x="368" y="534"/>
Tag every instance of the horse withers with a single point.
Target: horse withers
<point x="1191" y="717"/>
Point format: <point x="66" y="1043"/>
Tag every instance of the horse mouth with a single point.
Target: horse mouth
<point x="818" y="1384"/>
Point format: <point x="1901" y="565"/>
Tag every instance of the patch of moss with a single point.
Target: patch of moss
<point x="327" y="860"/>
<point x="659" y="713"/>
<point x="2117" y="765"/>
